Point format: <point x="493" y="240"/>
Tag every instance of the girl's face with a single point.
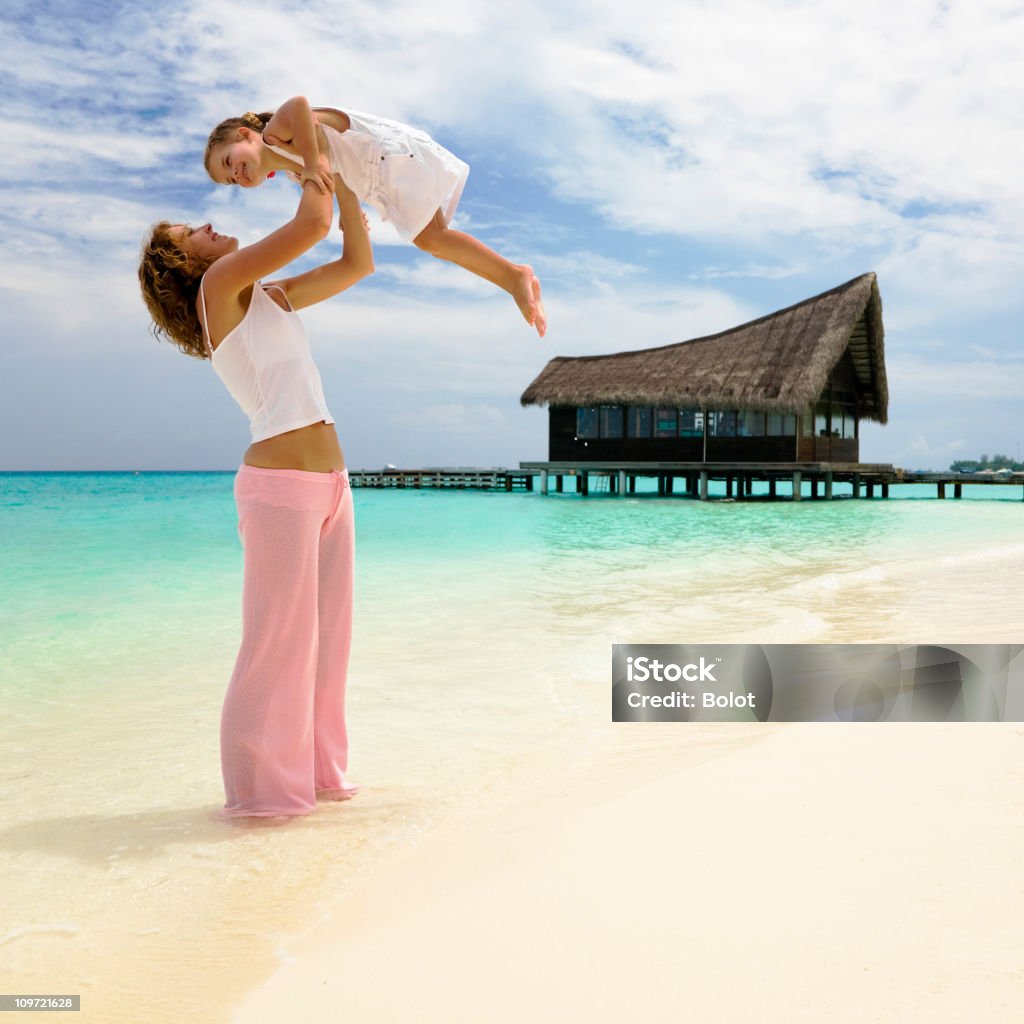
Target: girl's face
<point x="239" y="162"/>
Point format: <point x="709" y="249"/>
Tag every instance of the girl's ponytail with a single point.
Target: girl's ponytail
<point x="256" y="121"/>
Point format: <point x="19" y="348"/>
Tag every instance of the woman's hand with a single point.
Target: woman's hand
<point x="348" y="201"/>
<point x="320" y="175"/>
<point x="362" y="213"/>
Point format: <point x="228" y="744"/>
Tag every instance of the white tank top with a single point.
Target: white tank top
<point x="266" y="364"/>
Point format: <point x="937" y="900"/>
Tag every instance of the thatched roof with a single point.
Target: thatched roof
<point x="779" y="363"/>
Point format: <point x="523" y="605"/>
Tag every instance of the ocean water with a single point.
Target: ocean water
<point x="482" y="648"/>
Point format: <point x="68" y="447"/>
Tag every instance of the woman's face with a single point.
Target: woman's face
<point x="239" y="162"/>
<point x="203" y="242"/>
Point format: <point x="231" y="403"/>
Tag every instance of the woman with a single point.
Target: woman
<point x="283" y="736"/>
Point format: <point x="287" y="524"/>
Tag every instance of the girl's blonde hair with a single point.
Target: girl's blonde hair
<point x="169" y="277"/>
<point x="227" y="131"/>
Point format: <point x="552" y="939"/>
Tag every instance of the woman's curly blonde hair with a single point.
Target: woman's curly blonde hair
<point x="169" y="277"/>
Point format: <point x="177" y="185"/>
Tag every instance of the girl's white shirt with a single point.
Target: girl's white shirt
<point x="399" y="170"/>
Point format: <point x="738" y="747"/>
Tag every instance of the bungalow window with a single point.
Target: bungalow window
<point x="781" y="424"/>
<point x="691" y="423"/>
<point x="750" y="424"/>
<point x="844" y="421"/>
<point x="837" y="420"/>
<point x="586" y="422"/>
<point x="665" y="423"/>
<point x="723" y="424"/>
<point x="821" y="419"/>
<point x="638" y="421"/>
<point x="611" y="421"/>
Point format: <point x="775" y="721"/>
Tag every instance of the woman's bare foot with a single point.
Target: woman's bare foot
<point x="345" y="791"/>
<point x="522" y="292"/>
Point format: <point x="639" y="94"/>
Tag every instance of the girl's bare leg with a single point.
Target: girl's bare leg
<point x="468" y="252"/>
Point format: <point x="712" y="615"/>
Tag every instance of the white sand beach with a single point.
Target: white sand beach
<point x="803" y="872"/>
<point x="797" y="872"/>
<point x="514" y="854"/>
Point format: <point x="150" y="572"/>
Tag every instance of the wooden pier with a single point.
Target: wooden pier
<point x="786" y="480"/>
<point x="455" y="478"/>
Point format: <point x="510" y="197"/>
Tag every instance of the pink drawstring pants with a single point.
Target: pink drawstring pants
<point x="282" y="733"/>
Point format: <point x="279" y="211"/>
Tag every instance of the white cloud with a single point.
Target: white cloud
<point x="455" y="418"/>
<point x="937" y="452"/>
<point x="945" y="380"/>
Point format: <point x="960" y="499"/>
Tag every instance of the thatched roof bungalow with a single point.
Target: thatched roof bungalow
<point x="790" y="386"/>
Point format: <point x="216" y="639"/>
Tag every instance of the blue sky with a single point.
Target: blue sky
<point x="669" y="169"/>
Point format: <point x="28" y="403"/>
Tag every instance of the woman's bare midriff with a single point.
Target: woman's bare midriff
<point x="314" y="449"/>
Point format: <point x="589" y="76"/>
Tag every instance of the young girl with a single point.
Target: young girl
<point x="414" y="183"/>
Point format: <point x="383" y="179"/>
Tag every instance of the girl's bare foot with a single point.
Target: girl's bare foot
<point x="522" y="292"/>
<point x="541" y="322"/>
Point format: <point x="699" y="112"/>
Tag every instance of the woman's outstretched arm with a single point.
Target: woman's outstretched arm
<point x="356" y="260"/>
<point x="236" y="271"/>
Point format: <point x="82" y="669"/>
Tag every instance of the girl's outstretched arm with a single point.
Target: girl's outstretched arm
<point x="356" y="260"/>
<point x="294" y="125"/>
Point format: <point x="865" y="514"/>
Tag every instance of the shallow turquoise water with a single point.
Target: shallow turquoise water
<point x="106" y="570"/>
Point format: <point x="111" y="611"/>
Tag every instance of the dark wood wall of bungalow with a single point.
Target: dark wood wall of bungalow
<point x="804" y="446"/>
